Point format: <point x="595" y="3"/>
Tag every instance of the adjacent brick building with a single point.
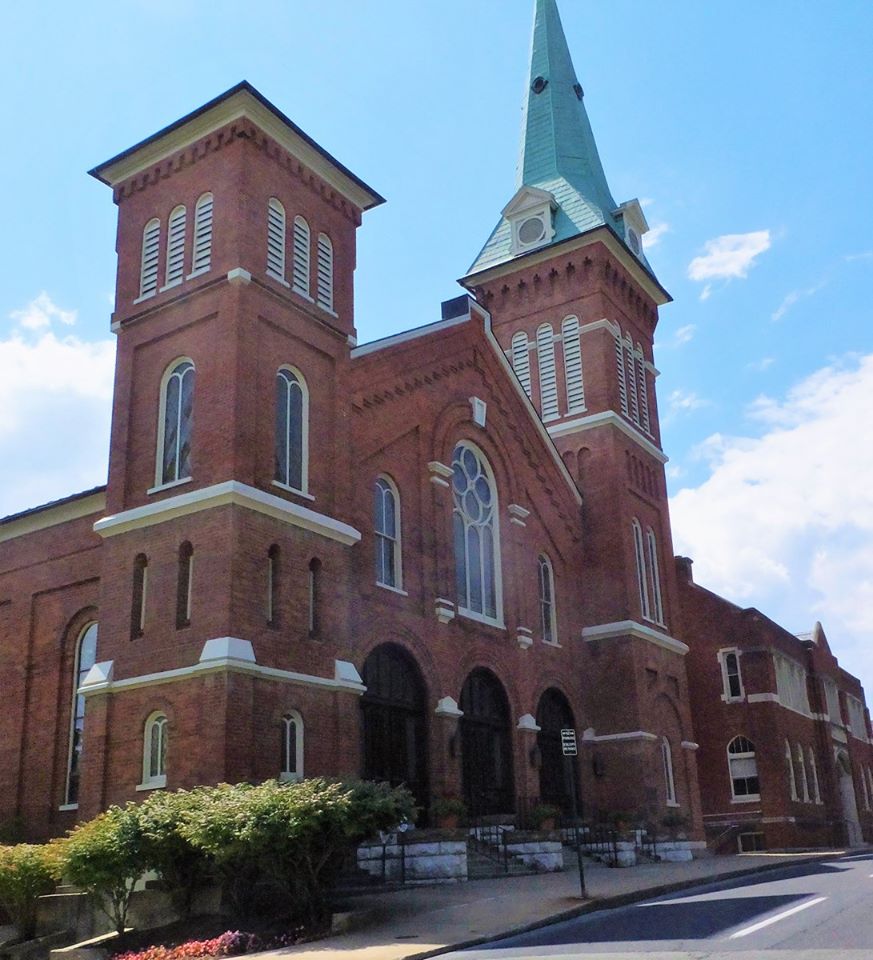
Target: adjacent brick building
<point x="416" y="559"/>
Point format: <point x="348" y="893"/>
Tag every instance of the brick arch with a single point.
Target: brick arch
<point x="555" y="681"/>
<point x="384" y="632"/>
<point x="477" y="658"/>
<point x="69" y="636"/>
<point x="665" y="708"/>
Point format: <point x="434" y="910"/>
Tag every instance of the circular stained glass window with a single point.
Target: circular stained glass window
<point x="531" y="230"/>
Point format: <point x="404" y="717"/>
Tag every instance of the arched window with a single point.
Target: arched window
<point x="292" y="746"/>
<point x="643" y="390"/>
<point x="622" y="380"/>
<point x="573" y="365"/>
<point x="801" y="766"/>
<point x="789" y="769"/>
<point x="631" y="380"/>
<point x="151" y="247"/>
<point x="292" y="429"/>
<point x="86" y="656"/>
<point x="386" y="521"/>
<point x="154" y="758"/>
<point x="138" y="597"/>
<point x="642" y="575"/>
<point x="176" y="247"/>
<point x="476" y="534"/>
<point x="521" y="359"/>
<point x="301" y="257"/>
<point x="184" y="585"/>
<point x="324" y="285"/>
<point x="272" y="604"/>
<point x="548" y="375"/>
<point x="276" y="239"/>
<point x="669" y="782"/>
<point x="314" y="597"/>
<point x="813" y="773"/>
<point x="743" y="769"/>
<point x="730" y="670"/>
<point x="657" y="606"/>
<point x="201" y="259"/>
<point x="864" y="790"/>
<point x="174" y="429"/>
<point x="547" y="600"/>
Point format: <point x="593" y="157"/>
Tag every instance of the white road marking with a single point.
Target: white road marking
<point x="779" y="916"/>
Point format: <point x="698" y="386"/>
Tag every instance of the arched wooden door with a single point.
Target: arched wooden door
<point x="486" y="745"/>
<point x="554" y="715"/>
<point x="394" y="711"/>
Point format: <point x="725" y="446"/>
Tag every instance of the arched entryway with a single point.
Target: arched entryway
<point x="394" y="710"/>
<point x="854" y="837"/>
<point x="556" y="774"/>
<point x="486" y="745"/>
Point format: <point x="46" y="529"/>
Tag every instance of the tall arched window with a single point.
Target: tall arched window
<point x="813" y="773"/>
<point x="476" y="534"/>
<point x="324" y="279"/>
<point x="743" y="769"/>
<point x="138" y="595"/>
<point x="521" y="359"/>
<point x="292" y="429"/>
<point x="642" y="575"/>
<point x="657" y="606"/>
<point x="151" y="248"/>
<point x="176" y="247"/>
<point x="301" y="256"/>
<point x="620" y="371"/>
<point x="573" y="365"/>
<point x="201" y="259"/>
<point x="789" y="769"/>
<point x="174" y="428"/>
<point x="86" y="655"/>
<point x="731" y="677"/>
<point x="669" y="782"/>
<point x="642" y="389"/>
<point x="801" y="766"/>
<point x="276" y="239"/>
<point x="548" y="375"/>
<point x="631" y="380"/>
<point x="292" y="746"/>
<point x="386" y="522"/>
<point x="271" y="611"/>
<point x="547" y="600"/>
<point x="184" y="585"/>
<point x="314" y="597"/>
<point x="154" y="757"/>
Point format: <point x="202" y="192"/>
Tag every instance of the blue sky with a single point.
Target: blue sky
<point x="745" y="128"/>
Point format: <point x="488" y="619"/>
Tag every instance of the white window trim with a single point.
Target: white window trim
<point x="657" y="600"/>
<point x="169" y="486"/>
<point x="726" y="690"/>
<point x="162" y="410"/>
<point x="294" y="490"/>
<point x="543" y="558"/>
<point x="286" y="776"/>
<point x="481" y="618"/>
<point x="804" y="783"/>
<point x="175" y="247"/>
<point x="276" y="205"/>
<point x="159" y="781"/>
<point x="304" y="432"/>
<point x="298" y="265"/>
<point x="398" y="537"/>
<point x="753" y="755"/>
<point x="669" y="778"/>
<point x="324" y="245"/>
<point x="813" y="769"/>
<point x="520" y="359"/>
<point x="570" y="334"/>
<point x="68" y="804"/>
<point x="792" y="779"/>
<point x="198" y="234"/>
<point x="547" y="372"/>
<point x="143" y="295"/>
<point x="642" y="572"/>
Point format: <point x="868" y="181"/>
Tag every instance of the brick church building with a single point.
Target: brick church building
<point x="416" y="559"/>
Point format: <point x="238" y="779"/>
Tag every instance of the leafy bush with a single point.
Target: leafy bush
<point x="229" y="944"/>
<point x="105" y="857"/>
<point x="27" y="872"/>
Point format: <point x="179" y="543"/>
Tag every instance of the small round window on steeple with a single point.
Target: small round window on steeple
<point x="531" y="230"/>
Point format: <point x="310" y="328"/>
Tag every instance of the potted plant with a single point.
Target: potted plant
<point x="447" y="811"/>
<point x="543" y="816"/>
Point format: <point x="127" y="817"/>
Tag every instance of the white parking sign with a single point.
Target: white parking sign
<point x="568" y="742"/>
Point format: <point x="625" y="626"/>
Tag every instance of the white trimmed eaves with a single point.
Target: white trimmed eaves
<point x="51" y="516"/>
<point x="229" y="493"/>
<point x="367" y="348"/>
<point x="609" y="416"/>
<point x="630" y="628"/>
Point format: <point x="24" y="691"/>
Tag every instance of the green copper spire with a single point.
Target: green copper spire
<point x="558" y="154"/>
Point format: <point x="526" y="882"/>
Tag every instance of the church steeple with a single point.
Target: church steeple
<point x="562" y="189"/>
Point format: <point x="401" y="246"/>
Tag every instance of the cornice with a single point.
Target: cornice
<point x="41" y="518"/>
<point x="630" y="628"/>
<point x="608" y="417"/>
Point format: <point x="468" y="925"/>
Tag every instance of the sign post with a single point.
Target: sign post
<point x="568" y="746"/>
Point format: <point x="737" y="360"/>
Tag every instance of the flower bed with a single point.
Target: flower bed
<point x="231" y="943"/>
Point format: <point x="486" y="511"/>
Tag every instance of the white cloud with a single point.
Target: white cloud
<point x="729" y="256"/>
<point x="653" y="237"/>
<point x="865" y="255"/>
<point x="683" y="401"/>
<point x="785" y="520"/>
<point x="793" y="298"/>
<point x="759" y="366"/>
<point x="706" y="292"/>
<point x="55" y="405"/>
<point x="685" y="334"/>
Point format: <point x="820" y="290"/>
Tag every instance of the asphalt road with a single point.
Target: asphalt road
<point x="814" y="911"/>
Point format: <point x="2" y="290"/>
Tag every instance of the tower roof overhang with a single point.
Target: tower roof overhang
<point x="242" y="101"/>
<point x="601" y="234"/>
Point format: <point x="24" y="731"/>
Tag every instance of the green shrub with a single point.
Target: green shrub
<point x="27" y="872"/>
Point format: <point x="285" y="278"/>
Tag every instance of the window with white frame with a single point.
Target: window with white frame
<point x="743" y="770"/>
<point x="832" y="698"/>
<point x="301" y="257"/>
<point x="813" y="775"/>
<point x="476" y="534"/>
<point x="865" y="792"/>
<point x="292" y="430"/>
<point x="324" y="277"/>
<point x="271" y="609"/>
<point x="151" y="248"/>
<point x="669" y="782"/>
<point x="201" y="259"/>
<point x="657" y="605"/>
<point x="154" y="760"/>
<point x="386" y="523"/>
<point x="86" y="656"/>
<point x="857" y="720"/>
<point x="184" y="585"/>
<point x="642" y="573"/>
<point x="521" y="359"/>
<point x="642" y="389"/>
<point x="622" y="382"/>
<point x="314" y="597"/>
<point x="292" y="746"/>
<point x="789" y="769"/>
<point x="276" y="239"/>
<point x="631" y="379"/>
<point x="801" y="768"/>
<point x="730" y="674"/>
<point x="547" y="600"/>
<point x="175" y="272"/>
<point x="139" y="592"/>
<point x="174" y="427"/>
<point x="791" y="683"/>
<point x="548" y="374"/>
<point x="573" y="365"/>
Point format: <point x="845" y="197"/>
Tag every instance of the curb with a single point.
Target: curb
<point x="621" y="900"/>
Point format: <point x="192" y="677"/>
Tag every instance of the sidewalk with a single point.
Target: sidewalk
<point x="417" y="921"/>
